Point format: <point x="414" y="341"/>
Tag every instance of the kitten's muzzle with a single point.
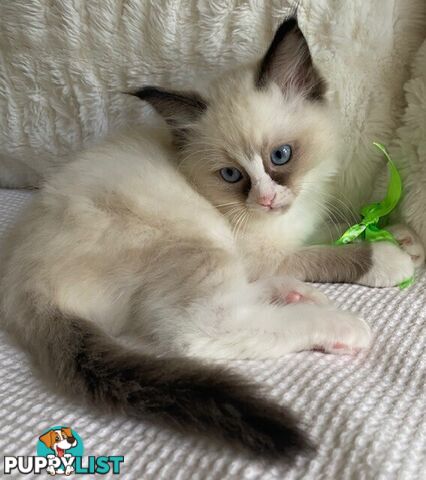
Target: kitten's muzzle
<point x="267" y="201"/>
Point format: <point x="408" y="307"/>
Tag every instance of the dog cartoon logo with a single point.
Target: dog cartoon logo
<point x="65" y="445"/>
<point x="60" y="452"/>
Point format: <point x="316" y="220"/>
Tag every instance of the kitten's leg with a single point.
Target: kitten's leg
<point x="230" y="327"/>
<point x="378" y="264"/>
<point x="268" y="331"/>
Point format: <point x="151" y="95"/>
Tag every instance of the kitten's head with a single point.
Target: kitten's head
<point x="261" y="137"/>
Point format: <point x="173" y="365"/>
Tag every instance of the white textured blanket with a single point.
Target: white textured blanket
<point x="366" y="413"/>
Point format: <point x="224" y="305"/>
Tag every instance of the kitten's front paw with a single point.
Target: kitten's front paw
<point x="390" y="266"/>
<point x="409" y="242"/>
<point x="290" y="290"/>
<point x="347" y="334"/>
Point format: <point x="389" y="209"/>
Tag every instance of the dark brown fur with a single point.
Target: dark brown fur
<point x="178" y="109"/>
<point x="345" y="263"/>
<point x="308" y="80"/>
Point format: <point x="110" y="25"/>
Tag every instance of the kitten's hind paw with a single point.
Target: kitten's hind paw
<point x="345" y="334"/>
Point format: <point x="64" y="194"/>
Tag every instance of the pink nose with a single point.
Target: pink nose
<point x="266" y="200"/>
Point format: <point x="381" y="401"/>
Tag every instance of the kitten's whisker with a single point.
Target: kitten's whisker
<point x="347" y="216"/>
<point x="324" y="209"/>
<point x="238" y="222"/>
<point x="220" y="205"/>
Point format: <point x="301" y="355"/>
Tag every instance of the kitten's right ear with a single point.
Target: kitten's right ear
<point x="288" y="63"/>
<point x="179" y="109"/>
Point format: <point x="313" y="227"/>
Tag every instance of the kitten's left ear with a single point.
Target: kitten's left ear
<point x="288" y="63"/>
<point x="179" y="109"/>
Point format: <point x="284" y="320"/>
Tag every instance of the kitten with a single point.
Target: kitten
<point x="182" y="240"/>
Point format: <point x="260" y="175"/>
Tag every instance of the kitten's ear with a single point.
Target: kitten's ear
<point x="288" y="63"/>
<point x="179" y="109"/>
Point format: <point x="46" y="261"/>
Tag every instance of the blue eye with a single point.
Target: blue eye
<point x="281" y="155"/>
<point x="231" y="174"/>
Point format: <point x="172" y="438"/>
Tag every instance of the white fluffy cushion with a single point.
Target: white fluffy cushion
<point x="409" y="148"/>
<point x="64" y="64"/>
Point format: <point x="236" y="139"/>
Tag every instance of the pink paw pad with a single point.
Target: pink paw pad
<point x="293" y="297"/>
<point x="345" y="348"/>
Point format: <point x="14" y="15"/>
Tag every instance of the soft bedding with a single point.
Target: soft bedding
<point x="366" y="413"/>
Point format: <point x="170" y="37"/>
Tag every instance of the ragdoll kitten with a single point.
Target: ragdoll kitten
<point x="183" y="240"/>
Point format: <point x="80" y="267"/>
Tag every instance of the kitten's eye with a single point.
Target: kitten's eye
<point x="281" y="155"/>
<point x="231" y="174"/>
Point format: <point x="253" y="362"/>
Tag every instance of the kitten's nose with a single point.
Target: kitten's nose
<point x="266" y="200"/>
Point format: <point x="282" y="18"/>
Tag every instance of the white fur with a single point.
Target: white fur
<point x="391" y="266"/>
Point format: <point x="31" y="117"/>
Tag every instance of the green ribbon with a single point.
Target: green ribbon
<point x="368" y="229"/>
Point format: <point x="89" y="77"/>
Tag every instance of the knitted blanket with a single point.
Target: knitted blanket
<point x="366" y="413"/>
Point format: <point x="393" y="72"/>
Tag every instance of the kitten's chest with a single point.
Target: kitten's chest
<point x="263" y="247"/>
<point x="266" y="245"/>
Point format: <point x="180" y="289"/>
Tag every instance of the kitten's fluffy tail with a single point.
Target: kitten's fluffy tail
<point x="179" y="392"/>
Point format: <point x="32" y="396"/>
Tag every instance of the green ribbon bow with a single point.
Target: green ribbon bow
<point x="368" y="229"/>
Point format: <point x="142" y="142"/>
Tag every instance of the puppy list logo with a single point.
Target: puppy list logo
<point x="60" y="452"/>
